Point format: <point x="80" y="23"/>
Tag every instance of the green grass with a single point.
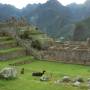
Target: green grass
<point x="10" y="50"/>
<point x="5" y="38"/>
<point x="12" y="61"/>
<point x="58" y="70"/>
<point x="8" y="42"/>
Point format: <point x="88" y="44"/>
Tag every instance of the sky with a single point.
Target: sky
<point x="22" y="3"/>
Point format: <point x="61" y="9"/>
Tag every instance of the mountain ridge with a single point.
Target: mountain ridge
<point x="51" y="17"/>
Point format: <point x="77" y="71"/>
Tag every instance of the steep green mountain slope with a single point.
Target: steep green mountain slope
<point x="51" y="17"/>
<point x="82" y="30"/>
<point x="78" y="31"/>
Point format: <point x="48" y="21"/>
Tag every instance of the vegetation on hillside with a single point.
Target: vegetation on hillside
<point x="82" y="30"/>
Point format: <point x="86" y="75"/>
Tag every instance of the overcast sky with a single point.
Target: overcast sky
<point x="22" y="3"/>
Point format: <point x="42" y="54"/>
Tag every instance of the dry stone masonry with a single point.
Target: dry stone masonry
<point x="74" y="54"/>
<point x="69" y="52"/>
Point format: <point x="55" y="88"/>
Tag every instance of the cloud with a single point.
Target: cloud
<point x="65" y="2"/>
<point x="23" y="3"/>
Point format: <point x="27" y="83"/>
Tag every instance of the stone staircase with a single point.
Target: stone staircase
<point x="9" y="49"/>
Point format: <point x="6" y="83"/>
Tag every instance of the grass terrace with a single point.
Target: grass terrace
<point x="58" y="70"/>
<point x="10" y="50"/>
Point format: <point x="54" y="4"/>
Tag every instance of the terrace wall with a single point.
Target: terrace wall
<point x="12" y="55"/>
<point x="68" y="56"/>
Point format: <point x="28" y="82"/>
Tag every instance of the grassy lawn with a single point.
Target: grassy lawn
<point x="58" y="70"/>
<point x="11" y="50"/>
<point x="8" y="42"/>
<point x="5" y="38"/>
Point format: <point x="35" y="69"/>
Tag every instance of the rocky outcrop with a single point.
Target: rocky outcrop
<point x="8" y="73"/>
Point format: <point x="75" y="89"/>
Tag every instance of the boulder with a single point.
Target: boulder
<point x="44" y="78"/>
<point x="88" y="80"/>
<point x="8" y="73"/>
<point x="79" y="79"/>
<point x="57" y="82"/>
<point x="77" y="84"/>
<point x="66" y="79"/>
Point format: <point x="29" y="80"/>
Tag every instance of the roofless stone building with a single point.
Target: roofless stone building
<point x="69" y="53"/>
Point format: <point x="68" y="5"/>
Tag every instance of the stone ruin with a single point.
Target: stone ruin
<point x="70" y="52"/>
<point x="73" y="52"/>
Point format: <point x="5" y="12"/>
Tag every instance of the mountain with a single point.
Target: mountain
<point x="78" y="31"/>
<point x="80" y="11"/>
<point x="82" y="30"/>
<point x="6" y="11"/>
<point x="51" y="17"/>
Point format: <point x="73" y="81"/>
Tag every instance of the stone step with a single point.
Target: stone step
<point x="12" y="53"/>
<point x="8" y="44"/>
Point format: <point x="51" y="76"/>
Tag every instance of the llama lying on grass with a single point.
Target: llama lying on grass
<point x="38" y="73"/>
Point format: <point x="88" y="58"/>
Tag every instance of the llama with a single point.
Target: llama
<point x="38" y="73"/>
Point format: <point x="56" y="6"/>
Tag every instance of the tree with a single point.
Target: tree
<point x="36" y="44"/>
<point x="25" y="35"/>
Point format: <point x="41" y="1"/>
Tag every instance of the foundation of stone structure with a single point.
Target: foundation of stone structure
<point x="73" y="54"/>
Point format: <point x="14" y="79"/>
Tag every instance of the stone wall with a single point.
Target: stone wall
<point x="66" y="54"/>
<point x="78" y="56"/>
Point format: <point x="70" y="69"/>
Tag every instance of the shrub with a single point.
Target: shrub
<point x="36" y="44"/>
<point x="25" y="35"/>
